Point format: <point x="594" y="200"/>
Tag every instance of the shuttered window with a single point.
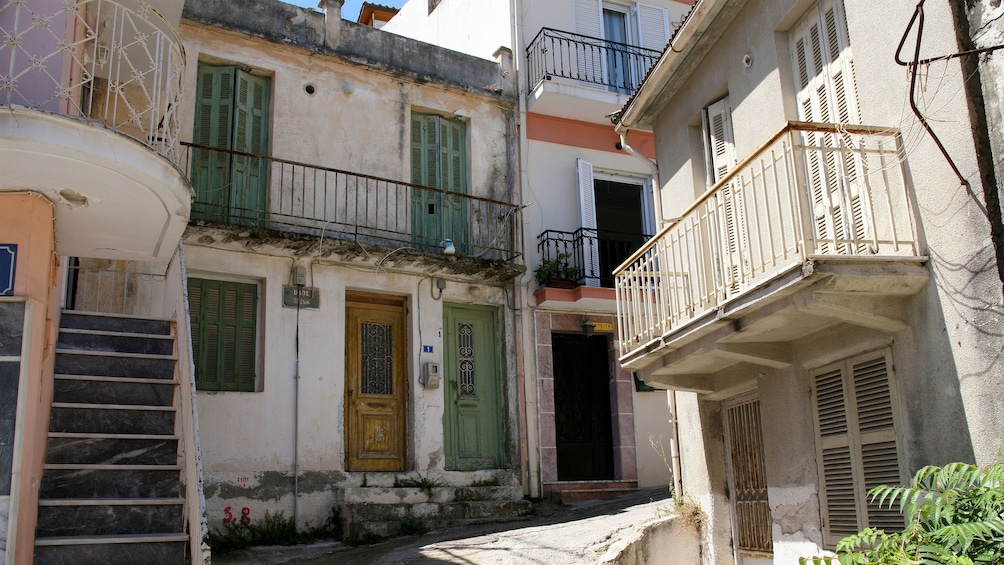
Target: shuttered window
<point x="856" y="444"/>
<point x="439" y="160"/>
<point x="224" y="334"/>
<point x="232" y="108"/>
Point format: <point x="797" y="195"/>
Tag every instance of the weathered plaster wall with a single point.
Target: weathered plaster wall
<point x="651" y="419"/>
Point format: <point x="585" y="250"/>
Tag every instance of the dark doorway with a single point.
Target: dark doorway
<point x="619" y="224"/>
<point x="582" y="407"/>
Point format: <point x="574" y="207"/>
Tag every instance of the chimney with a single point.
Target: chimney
<point x="332" y="21"/>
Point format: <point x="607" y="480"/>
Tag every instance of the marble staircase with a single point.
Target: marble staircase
<point x="111" y="488"/>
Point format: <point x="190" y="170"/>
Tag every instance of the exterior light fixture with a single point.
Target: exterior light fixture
<point x="587" y="327"/>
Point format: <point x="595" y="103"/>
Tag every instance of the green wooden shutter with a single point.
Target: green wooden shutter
<point x="250" y="175"/>
<point x="213" y="128"/>
<point x="425" y="171"/>
<point x="453" y="155"/>
<point x="223" y="334"/>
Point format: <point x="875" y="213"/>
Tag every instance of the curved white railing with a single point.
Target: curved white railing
<point x="115" y="63"/>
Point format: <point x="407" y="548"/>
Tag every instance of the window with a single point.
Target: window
<point x="439" y="160"/>
<point x="720" y="158"/>
<point x="231" y="114"/>
<point x="617" y="64"/>
<point x="747" y="476"/>
<point x="224" y="334"/>
<point x="854" y="404"/>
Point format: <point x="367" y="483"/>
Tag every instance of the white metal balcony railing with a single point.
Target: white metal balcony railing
<point x="811" y="191"/>
<point x="115" y="63"/>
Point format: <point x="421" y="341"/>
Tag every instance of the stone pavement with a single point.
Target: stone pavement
<point x="555" y="535"/>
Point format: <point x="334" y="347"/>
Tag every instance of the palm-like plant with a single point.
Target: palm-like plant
<point x="955" y="516"/>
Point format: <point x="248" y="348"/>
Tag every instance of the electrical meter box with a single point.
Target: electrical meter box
<point x="430" y="375"/>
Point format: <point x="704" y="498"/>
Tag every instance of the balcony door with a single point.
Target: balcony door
<point x="231" y="116"/>
<point x="620" y="27"/>
<point x="439" y="160"/>
<point x="616" y="216"/>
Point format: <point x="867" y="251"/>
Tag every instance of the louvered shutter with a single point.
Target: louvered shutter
<point x="589" y="57"/>
<point x="856" y="444"/>
<point x="250" y="175"/>
<point x="721" y="146"/>
<point x="213" y="128"/>
<point x="826" y="92"/>
<point x="587" y="219"/>
<point x="224" y="319"/>
<point x="721" y="159"/>
<point x="425" y="162"/>
<point x="454" y="166"/>
<point x="653" y="26"/>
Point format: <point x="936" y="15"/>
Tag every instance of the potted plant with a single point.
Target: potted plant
<point x="557" y="272"/>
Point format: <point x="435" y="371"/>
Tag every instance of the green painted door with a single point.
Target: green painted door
<point x="439" y="160"/>
<point x="472" y="423"/>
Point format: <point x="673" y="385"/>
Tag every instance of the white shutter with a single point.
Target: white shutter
<point x="653" y="26"/>
<point x="588" y="18"/>
<point x="589" y="59"/>
<point x="587" y="219"/>
<point x="855" y="421"/>
<point x="721" y="146"/>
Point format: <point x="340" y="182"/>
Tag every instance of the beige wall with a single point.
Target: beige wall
<point x="28" y="220"/>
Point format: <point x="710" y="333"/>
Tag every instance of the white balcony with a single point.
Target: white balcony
<point x="814" y="229"/>
<point x="89" y="98"/>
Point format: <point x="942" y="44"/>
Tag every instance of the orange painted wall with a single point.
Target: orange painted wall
<point x="586" y="135"/>
<point x="28" y="219"/>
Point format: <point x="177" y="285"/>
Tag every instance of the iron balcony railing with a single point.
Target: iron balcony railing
<point x="265" y="192"/>
<point x="617" y="66"/>
<point x="811" y="191"/>
<point x="587" y="256"/>
<point x="115" y="63"/>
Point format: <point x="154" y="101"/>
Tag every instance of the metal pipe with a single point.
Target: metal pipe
<point x="674" y="446"/>
<point x="656" y="185"/>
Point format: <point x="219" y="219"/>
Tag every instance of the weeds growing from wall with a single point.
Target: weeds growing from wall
<point x="274" y="529"/>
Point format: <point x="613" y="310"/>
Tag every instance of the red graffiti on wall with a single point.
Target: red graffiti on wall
<point x="229" y="518"/>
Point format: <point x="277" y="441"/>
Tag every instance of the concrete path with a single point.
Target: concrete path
<point x="556" y="535"/>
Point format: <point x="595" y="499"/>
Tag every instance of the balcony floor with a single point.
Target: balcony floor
<point x="115" y="198"/>
<point x="762" y="327"/>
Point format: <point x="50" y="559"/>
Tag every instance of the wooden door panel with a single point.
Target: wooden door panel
<point x="375" y="386"/>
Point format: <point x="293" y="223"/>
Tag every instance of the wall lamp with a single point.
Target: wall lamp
<point x="587" y="327"/>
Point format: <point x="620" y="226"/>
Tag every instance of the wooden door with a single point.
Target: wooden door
<point x="472" y="423"/>
<point x="375" y="383"/>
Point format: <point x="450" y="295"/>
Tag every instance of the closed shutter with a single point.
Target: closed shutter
<point x="224" y="342"/>
<point x="250" y="136"/>
<point x="453" y="135"/>
<point x="213" y="128"/>
<point x="748" y="477"/>
<point x="826" y="92"/>
<point x="653" y="27"/>
<point x="589" y="57"/>
<point x="856" y="443"/>
<point x="587" y="219"/>
<point x="721" y="144"/>
<point x="439" y="160"/>
<point x="721" y="160"/>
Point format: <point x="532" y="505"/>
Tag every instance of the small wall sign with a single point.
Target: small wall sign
<point x="308" y="297"/>
<point x="603" y="327"/>
<point x="8" y="266"/>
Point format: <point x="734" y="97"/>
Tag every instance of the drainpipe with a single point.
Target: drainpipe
<point x="332" y="32"/>
<point x="674" y="446"/>
<point x="657" y="186"/>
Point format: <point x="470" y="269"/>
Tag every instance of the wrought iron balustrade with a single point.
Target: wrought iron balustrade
<point x="115" y="63"/>
<point x="812" y="191"/>
<point x="591" y="255"/>
<point x="266" y="192"/>
<point x="616" y="66"/>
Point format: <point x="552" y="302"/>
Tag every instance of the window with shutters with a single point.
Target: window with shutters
<point x="621" y="26"/>
<point x="823" y="69"/>
<point x="439" y="160"/>
<point x="720" y="156"/>
<point x="224" y="317"/>
<point x="231" y="115"/>
<point x="855" y="413"/>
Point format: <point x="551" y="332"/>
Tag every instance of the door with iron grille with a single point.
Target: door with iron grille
<point x="751" y="518"/>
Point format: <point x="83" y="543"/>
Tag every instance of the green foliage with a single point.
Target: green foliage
<point x="492" y="482"/>
<point x="425" y="484"/>
<point x="556" y="269"/>
<point x="955" y="516"/>
<point x="274" y="529"/>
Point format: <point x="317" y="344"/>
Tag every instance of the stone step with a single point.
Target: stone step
<point x="582" y="495"/>
<point x="66" y="482"/>
<point x="392" y="528"/>
<point x="112" y="364"/>
<point x="438" y="511"/>
<point x="111" y="419"/>
<point x="579" y="491"/>
<point x="99" y="517"/>
<point x="88" y="389"/>
<point x="415" y="495"/>
<point x="75" y="319"/>
<point x="98" y="340"/>
<point x="93" y="449"/>
<point x="152" y="549"/>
